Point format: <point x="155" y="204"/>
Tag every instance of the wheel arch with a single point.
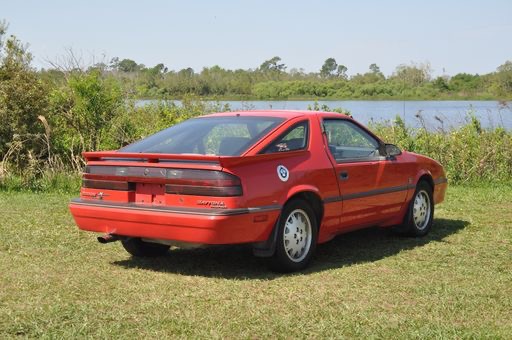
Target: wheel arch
<point x="314" y="201"/>
<point x="308" y="194"/>
<point x="426" y="176"/>
<point x="311" y="195"/>
<point x="405" y="226"/>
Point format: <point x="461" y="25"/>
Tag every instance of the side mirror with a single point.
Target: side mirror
<point x="392" y="150"/>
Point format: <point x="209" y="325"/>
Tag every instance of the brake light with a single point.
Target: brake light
<point x="109" y="185"/>
<point x="177" y="181"/>
<point x="202" y="183"/>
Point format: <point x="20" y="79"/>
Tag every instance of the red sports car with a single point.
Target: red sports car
<point x="282" y="181"/>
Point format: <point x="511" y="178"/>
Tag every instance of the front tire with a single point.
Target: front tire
<point x="138" y="248"/>
<point x="296" y="237"/>
<point x="420" y="215"/>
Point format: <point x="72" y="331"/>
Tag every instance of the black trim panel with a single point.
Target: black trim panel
<point x="361" y="159"/>
<point x="178" y="210"/>
<point x="333" y="199"/>
<point x="375" y="192"/>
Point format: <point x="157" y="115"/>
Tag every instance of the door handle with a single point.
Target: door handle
<point x="344" y="175"/>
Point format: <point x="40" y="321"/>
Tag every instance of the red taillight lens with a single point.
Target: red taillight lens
<point x="177" y="181"/>
<point x="202" y="183"/>
<point x="108" y="185"/>
<point x="203" y="190"/>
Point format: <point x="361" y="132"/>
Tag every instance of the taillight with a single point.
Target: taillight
<point x="108" y="185"/>
<point x="202" y="183"/>
<point x="177" y="181"/>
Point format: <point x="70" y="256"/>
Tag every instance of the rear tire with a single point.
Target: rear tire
<point x="420" y="215"/>
<point x="138" y="248"/>
<point x="296" y="237"/>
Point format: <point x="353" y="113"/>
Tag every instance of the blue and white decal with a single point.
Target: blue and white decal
<point x="283" y="173"/>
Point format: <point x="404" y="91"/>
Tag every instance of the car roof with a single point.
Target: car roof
<point x="288" y="114"/>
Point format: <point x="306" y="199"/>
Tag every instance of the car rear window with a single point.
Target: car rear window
<point x="219" y="136"/>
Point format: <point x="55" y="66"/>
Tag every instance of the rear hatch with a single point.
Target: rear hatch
<point x="181" y="180"/>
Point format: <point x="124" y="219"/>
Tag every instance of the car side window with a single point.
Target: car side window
<point x="295" y="138"/>
<point x="348" y="141"/>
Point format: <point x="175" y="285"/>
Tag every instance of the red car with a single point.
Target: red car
<point x="283" y="181"/>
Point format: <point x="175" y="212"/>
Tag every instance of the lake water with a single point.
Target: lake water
<point x="435" y="114"/>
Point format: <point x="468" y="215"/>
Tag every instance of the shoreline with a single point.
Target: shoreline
<point x="231" y="99"/>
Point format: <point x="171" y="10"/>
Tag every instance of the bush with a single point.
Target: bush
<point x="23" y="105"/>
<point x="468" y="153"/>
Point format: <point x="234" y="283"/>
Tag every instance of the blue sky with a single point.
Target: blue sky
<point x="458" y="36"/>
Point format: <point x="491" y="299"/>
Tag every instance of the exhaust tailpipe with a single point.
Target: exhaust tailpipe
<point x="107" y="238"/>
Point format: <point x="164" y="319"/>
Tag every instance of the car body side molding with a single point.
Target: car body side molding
<point x="355" y="195"/>
<point x="367" y="193"/>
<point x="180" y="210"/>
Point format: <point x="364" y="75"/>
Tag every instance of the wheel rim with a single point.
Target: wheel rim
<point x="297" y="235"/>
<point x="421" y="210"/>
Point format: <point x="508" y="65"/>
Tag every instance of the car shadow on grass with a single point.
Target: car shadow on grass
<point x="237" y="262"/>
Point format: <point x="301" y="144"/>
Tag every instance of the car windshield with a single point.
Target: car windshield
<point x="219" y="136"/>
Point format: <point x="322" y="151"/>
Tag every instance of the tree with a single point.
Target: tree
<point x="440" y="84"/>
<point x="328" y="68"/>
<point x="506" y="67"/>
<point x="413" y="74"/>
<point x="272" y="65"/>
<point x="160" y="68"/>
<point x="23" y="103"/>
<point x="100" y="66"/>
<point x="504" y="78"/>
<point x="374" y="68"/>
<point x="464" y="82"/>
<point x="127" y="65"/>
<point x="373" y="76"/>
<point x="297" y="72"/>
<point x="341" y="71"/>
<point x="114" y="64"/>
<point x="83" y="111"/>
<point x="186" y="72"/>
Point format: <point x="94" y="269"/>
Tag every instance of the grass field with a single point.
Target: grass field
<point x="57" y="282"/>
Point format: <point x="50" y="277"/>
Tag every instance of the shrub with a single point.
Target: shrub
<point x="468" y="153"/>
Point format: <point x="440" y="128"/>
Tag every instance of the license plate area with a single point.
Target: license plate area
<point x="147" y="193"/>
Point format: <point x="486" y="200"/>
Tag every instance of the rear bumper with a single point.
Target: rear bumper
<point x="205" y="226"/>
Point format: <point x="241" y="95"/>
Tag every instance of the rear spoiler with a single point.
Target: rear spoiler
<point x="223" y="161"/>
<point x="148" y="157"/>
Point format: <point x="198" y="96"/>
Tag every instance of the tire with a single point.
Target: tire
<point x="296" y="237"/>
<point x="420" y="214"/>
<point x="138" y="248"/>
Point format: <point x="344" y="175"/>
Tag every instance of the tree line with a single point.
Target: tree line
<point x="273" y="80"/>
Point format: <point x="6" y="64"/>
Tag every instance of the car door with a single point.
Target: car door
<point x="371" y="186"/>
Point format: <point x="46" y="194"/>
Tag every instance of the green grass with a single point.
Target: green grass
<point x="58" y="282"/>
